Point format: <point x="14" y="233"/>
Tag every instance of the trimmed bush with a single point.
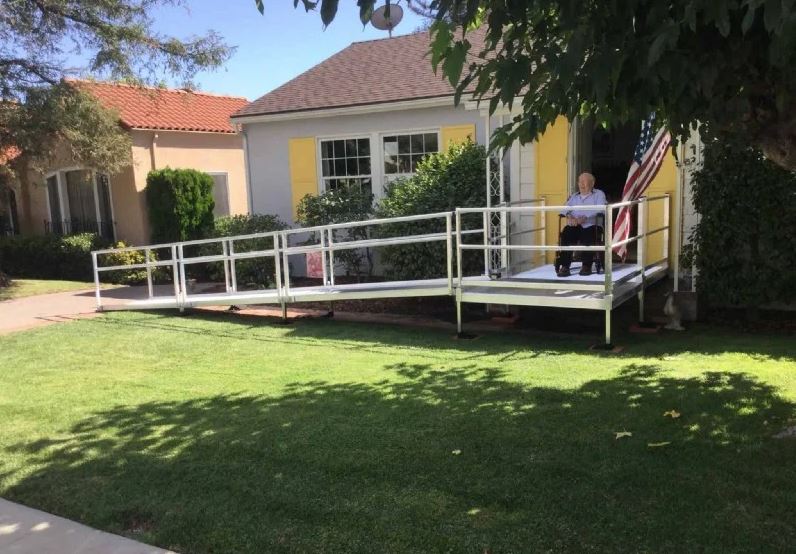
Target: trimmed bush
<point x="341" y="205"/>
<point x="743" y="243"/>
<point x="256" y="273"/>
<point x="133" y="276"/>
<point x="180" y="204"/>
<point x="50" y="256"/>
<point x="443" y="182"/>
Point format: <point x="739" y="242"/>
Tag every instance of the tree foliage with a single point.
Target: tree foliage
<point x="341" y="205"/>
<point x="115" y="37"/>
<point x="752" y="261"/>
<point x="726" y="63"/>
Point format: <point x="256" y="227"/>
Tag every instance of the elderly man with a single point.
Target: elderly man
<point x="581" y="224"/>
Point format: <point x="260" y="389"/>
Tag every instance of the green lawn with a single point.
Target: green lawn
<point x="214" y="433"/>
<point x="21" y="288"/>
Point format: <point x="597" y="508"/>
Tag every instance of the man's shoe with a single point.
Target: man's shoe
<point x="585" y="270"/>
<point x="563" y="272"/>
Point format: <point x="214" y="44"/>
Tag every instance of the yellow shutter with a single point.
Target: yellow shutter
<point x="552" y="149"/>
<point x="457" y="133"/>
<point x="303" y="169"/>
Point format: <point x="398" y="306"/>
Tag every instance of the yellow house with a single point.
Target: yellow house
<point x="168" y="128"/>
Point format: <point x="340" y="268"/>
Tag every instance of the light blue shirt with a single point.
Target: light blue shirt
<point x="595" y="198"/>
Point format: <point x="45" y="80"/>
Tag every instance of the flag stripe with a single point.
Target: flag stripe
<point x="647" y="160"/>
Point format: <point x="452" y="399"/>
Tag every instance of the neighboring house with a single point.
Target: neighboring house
<point x="369" y="113"/>
<point x="168" y="128"/>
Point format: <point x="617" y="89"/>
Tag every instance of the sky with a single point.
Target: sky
<point x="271" y="48"/>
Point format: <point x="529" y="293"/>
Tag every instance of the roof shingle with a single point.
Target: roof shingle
<point x="166" y="109"/>
<point x="368" y="72"/>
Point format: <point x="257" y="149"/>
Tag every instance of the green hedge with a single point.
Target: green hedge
<point x="443" y="182"/>
<point x="341" y="205"/>
<point x="50" y="256"/>
<point x="180" y="204"/>
<point x="743" y="243"/>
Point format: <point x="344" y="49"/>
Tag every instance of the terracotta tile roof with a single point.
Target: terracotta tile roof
<point x="368" y="72"/>
<point x="166" y="109"/>
<point x="9" y="154"/>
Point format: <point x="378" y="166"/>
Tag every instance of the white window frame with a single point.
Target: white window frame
<point x="229" y="203"/>
<point x="388" y="178"/>
<point x="63" y="198"/>
<point x="319" y="160"/>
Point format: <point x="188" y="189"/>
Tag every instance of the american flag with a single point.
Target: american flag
<point x="647" y="160"/>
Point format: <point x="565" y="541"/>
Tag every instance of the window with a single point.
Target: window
<point x="79" y="202"/>
<point x="346" y="162"/>
<point x="402" y="153"/>
<point x="220" y="194"/>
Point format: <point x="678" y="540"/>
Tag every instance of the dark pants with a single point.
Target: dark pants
<point x="571" y="236"/>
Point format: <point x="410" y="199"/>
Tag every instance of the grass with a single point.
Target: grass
<point x="21" y="288"/>
<point x="215" y="433"/>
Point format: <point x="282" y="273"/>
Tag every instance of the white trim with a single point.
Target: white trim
<point x="347" y="110"/>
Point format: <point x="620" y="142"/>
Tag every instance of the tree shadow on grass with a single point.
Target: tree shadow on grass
<point x="459" y="460"/>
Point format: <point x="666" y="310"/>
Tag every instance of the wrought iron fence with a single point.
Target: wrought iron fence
<point x="76" y="226"/>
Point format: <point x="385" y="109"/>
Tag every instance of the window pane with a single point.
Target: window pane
<point x="364" y="147"/>
<point x="326" y="168"/>
<point x="430" y="141"/>
<point x="326" y="149"/>
<point x="404" y="164"/>
<point x="416" y="142"/>
<point x="55" y="204"/>
<point x="339" y="167"/>
<point x="351" y="147"/>
<point x="339" y="149"/>
<point x="391" y="145"/>
<point x="220" y="195"/>
<point x="104" y="194"/>
<point x="415" y="160"/>
<point x="364" y="166"/>
<point x="403" y="144"/>
<point x="366" y="185"/>
<point x="351" y="167"/>
<point x="80" y="192"/>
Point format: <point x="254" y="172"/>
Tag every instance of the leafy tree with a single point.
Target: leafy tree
<point x="117" y="40"/>
<point x="726" y="63"/>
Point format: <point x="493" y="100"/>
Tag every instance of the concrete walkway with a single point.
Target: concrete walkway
<point x="45" y="309"/>
<point x="24" y="530"/>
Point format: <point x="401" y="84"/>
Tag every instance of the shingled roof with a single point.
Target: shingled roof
<point x="368" y="72"/>
<point x="166" y="109"/>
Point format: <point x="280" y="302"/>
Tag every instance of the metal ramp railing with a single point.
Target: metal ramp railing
<point x="274" y="254"/>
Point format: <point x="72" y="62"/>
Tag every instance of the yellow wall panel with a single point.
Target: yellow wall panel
<point x="303" y="169"/>
<point x="457" y="133"/>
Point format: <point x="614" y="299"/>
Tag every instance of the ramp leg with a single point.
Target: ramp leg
<point x="284" y="312"/>
<point x="608" y="327"/>
<point x="641" y="305"/>
<point x="458" y="312"/>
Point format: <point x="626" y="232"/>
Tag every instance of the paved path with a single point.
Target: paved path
<point x="45" y="309"/>
<point x="24" y="530"/>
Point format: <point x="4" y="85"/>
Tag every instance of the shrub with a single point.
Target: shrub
<point x="443" y="182"/>
<point x="341" y="205"/>
<point x="132" y="257"/>
<point x="180" y="204"/>
<point x="258" y="272"/>
<point x="741" y="244"/>
<point x="50" y="256"/>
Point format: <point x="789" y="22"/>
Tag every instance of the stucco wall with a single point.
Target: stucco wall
<point x="268" y="146"/>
